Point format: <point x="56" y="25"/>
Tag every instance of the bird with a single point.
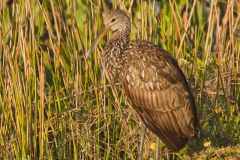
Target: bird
<point x="152" y="81"/>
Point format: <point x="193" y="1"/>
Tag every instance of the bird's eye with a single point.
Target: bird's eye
<point x="113" y="20"/>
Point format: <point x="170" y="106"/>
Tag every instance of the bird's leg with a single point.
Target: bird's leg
<point x="157" y="149"/>
<point x="142" y="136"/>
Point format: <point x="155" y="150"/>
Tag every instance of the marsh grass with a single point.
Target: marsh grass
<point x="56" y="105"/>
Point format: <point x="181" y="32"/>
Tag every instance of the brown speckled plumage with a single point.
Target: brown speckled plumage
<point x="152" y="81"/>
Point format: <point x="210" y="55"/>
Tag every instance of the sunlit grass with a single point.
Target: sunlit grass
<point x="56" y="105"/>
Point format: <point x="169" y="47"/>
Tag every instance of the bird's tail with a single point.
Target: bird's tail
<point x="173" y="142"/>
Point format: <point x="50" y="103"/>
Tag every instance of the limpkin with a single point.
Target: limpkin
<point x="152" y="80"/>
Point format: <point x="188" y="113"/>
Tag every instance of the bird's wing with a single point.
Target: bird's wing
<point x="160" y="94"/>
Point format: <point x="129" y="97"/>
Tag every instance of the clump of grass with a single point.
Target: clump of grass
<point x="55" y="105"/>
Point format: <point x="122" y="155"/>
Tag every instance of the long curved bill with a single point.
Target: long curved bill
<point x="95" y="42"/>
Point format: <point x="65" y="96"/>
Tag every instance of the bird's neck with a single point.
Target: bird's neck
<point x="117" y="42"/>
<point x="114" y="50"/>
<point x="120" y="37"/>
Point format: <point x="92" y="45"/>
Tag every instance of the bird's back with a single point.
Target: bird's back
<point x="159" y="92"/>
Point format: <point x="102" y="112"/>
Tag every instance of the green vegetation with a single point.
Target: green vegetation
<point x="55" y="105"/>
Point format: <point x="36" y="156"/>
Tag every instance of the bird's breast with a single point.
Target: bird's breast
<point x="113" y="63"/>
<point x="115" y="57"/>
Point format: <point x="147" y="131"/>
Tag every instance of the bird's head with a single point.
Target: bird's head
<point x="114" y="20"/>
